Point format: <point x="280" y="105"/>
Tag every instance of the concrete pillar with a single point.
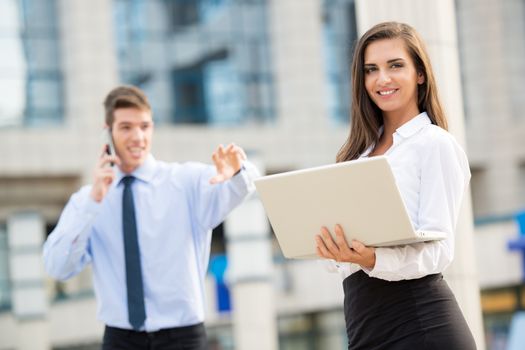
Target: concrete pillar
<point x="436" y="22"/>
<point x="250" y="275"/>
<point x="89" y="64"/>
<point x="296" y="37"/>
<point x="492" y="36"/>
<point x="88" y="58"/>
<point x="28" y="293"/>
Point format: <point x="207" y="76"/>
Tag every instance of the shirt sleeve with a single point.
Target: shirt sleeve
<point x="444" y="178"/>
<point x="344" y="269"/>
<point x="66" y="250"/>
<point x="329" y="265"/>
<point x="214" y="202"/>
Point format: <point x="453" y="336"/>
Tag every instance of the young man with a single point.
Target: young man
<point x="145" y="227"/>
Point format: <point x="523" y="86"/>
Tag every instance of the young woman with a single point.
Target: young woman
<point x="395" y="297"/>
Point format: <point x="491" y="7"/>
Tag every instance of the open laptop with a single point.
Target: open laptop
<point x="360" y="195"/>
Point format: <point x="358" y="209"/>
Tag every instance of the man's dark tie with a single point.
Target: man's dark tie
<point x="136" y="310"/>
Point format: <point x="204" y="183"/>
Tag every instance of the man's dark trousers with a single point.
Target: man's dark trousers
<point x="180" y="338"/>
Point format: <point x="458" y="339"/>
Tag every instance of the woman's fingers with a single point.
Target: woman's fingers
<point x="358" y="246"/>
<point x="339" y="250"/>
<point x="329" y="242"/>
<point x="340" y="239"/>
<point x="322" y="250"/>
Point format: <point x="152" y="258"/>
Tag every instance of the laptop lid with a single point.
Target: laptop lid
<point x="360" y="195"/>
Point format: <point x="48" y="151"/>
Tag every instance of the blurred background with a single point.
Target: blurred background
<point x="272" y="76"/>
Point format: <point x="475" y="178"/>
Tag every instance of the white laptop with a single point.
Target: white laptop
<point x="360" y="195"/>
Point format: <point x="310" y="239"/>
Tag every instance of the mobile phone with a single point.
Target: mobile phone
<point x="110" y="147"/>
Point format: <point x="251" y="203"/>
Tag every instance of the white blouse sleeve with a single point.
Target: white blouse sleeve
<point x="444" y="176"/>
<point x="342" y="268"/>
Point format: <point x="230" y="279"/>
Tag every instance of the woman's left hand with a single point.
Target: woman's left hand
<point x="340" y="251"/>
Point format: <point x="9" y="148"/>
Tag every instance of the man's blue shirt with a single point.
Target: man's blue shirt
<point x="176" y="209"/>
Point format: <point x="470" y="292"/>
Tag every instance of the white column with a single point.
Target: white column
<point x="435" y="21"/>
<point x="296" y="38"/>
<point x="89" y="63"/>
<point x="250" y="275"/>
<point x="28" y="294"/>
<point x="89" y="58"/>
<point x="297" y="49"/>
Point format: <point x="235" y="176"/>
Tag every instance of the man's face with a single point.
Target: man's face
<point x="132" y="131"/>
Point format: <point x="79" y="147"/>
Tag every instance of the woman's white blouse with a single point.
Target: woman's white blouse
<point x="432" y="173"/>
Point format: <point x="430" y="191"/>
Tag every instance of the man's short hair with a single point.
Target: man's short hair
<point x="124" y="96"/>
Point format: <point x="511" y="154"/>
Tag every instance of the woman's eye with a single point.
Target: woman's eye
<point x="369" y="70"/>
<point x="397" y="65"/>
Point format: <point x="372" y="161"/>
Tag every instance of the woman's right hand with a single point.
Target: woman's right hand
<point x="103" y="175"/>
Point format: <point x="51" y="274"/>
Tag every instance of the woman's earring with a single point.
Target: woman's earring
<point x="420" y="78"/>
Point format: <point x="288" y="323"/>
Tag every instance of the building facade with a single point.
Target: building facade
<point x="271" y="76"/>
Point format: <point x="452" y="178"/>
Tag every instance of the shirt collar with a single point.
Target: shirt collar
<point x="144" y="172"/>
<point x="406" y="130"/>
<point x="413" y="125"/>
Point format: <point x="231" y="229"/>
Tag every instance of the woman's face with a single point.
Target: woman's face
<point x="391" y="78"/>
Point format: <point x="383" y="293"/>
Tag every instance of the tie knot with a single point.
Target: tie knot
<point x="128" y="180"/>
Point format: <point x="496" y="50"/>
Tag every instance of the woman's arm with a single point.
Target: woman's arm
<point x="444" y="176"/>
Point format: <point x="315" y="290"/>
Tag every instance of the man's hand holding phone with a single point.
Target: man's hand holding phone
<point x="104" y="174"/>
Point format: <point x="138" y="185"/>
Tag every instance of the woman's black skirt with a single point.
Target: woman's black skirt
<point x="409" y="314"/>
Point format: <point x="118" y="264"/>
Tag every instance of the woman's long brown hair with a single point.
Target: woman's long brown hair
<point x="366" y="117"/>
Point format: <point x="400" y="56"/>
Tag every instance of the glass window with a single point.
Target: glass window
<point x="5" y="291"/>
<point x="189" y="95"/>
<point x="13" y="66"/>
<point x="30" y="74"/>
<point x="313" y="331"/>
<point x="478" y="182"/>
<point x="220" y="336"/>
<point x="339" y="34"/>
<point x="182" y="13"/>
<point x="521" y="184"/>
<point x="221" y="92"/>
<point x="200" y="62"/>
